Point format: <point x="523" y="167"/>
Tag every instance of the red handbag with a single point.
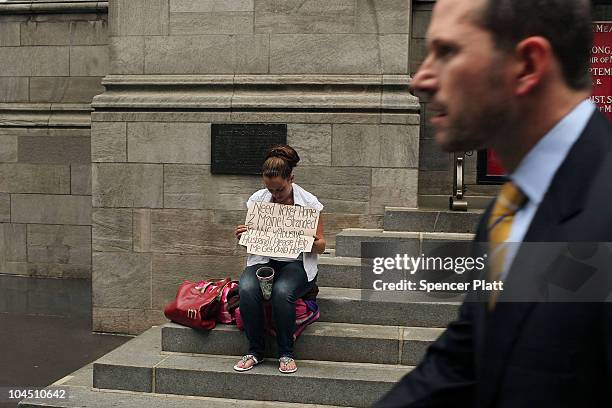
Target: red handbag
<point x="197" y="305"/>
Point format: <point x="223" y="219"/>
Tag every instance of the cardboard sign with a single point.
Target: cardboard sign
<point x="601" y="66"/>
<point x="277" y="230"/>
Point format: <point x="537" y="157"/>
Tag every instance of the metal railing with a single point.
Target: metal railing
<point x="457" y="201"/>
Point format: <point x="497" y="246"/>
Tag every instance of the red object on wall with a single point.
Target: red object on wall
<point x="601" y="66"/>
<point x="494" y="167"/>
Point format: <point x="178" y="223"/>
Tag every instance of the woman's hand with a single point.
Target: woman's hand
<point x="239" y="230"/>
<point x="318" y="246"/>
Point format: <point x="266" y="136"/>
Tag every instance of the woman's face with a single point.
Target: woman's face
<point x="280" y="188"/>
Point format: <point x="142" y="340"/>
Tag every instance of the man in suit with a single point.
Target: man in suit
<point x="512" y="75"/>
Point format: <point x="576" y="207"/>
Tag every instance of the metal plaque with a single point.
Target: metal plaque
<point x="240" y="148"/>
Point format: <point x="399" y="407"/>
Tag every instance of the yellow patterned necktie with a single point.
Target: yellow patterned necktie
<point x="508" y="203"/>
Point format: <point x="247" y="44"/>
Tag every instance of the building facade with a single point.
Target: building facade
<point x="106" y="110"/>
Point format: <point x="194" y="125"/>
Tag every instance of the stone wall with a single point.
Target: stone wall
<point x="48" y="56"/>
<point x="334" y="71"/>
<point x="52" y="59"/>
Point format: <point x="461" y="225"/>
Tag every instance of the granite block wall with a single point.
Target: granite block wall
<point x="52" y="57"/>
<point x="160" y="217"/>
<point x="52" y="60"/>
<point x="260" y="36"/>
<point x="45" y="202"/>
<point x="336" y="72"/>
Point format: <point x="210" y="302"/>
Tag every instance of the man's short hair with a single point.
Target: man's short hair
<point x="566" y="24"/>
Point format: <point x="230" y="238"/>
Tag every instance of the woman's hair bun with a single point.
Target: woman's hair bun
<point x="286" y="153"/>
<point x="280" y="161"/>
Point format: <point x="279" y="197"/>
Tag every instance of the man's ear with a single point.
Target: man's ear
<point x="534" y="56"/>
<point x="291" y="177"/>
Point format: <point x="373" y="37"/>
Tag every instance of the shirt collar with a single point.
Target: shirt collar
<point x="537" y="169"/>
<point x="298" y="197"/>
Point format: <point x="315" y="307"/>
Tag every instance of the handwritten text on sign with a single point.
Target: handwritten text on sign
<point x="279" y="230"/>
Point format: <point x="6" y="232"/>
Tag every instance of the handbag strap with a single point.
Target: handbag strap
<point x="218" y="298"/>
<point x="215" y="282"/>
<point x="203" y="290"/>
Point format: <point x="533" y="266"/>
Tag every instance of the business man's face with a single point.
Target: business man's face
<point x="464" y="77"/>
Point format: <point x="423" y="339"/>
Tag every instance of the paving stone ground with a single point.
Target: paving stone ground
<point x="39" y="350"/>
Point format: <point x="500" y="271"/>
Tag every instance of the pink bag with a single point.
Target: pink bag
<point x="224" y="314"/>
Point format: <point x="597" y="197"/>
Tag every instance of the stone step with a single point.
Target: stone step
<point x="430" y="220"/>
<point x="81" y="397"/>
<point x="348" y="242"/>
<point x="475" y="202"/>
<point x="79" y="393"/>
<point x="343" y="272"/>
<point x="139" y="366"/>
<point x="347" y="272"/>
<point x="322" y="341"/>
<point x="411" y="309"/>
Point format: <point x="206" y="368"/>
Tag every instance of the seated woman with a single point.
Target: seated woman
<point x="292" y="277"/>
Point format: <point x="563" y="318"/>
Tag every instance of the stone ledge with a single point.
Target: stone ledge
<point x="287" y="92"/>
<point x="74" y="6"/>
<point x="45" y="115"/>
<point x="45" y="107"/>
<point x="240" y="79"/>
<point x="84" y="395"/>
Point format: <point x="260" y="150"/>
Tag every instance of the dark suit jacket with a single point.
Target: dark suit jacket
<point x="532" y="355"/>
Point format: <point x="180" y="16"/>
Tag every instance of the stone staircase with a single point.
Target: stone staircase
<point x="361" y="346"/>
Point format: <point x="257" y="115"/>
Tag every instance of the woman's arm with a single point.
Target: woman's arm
<point x="318" y="245"/>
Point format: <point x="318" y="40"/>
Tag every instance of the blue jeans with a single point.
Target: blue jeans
<point x="290" y="284"/>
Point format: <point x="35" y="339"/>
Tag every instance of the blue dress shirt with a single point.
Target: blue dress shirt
<point x="537" y="169"/>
